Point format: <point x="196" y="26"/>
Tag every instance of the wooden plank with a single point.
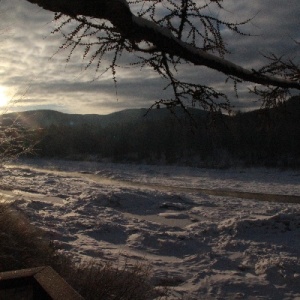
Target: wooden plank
<point x="55" y="286"/>
<point x="20" y="273"/>
<point x="40" y="283"/>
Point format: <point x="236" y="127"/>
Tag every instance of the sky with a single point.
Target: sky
<point x="32" y="77"/>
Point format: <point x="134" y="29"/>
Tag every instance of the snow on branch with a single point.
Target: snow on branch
<point x="141" y="29"/>
<point x="168" y="43"/>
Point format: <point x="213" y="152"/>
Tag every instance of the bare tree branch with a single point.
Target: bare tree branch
<point x="138" y="28"/>
<point x="182" y="33"/>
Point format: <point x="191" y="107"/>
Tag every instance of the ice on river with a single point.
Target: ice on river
<point x="204" y="246"/>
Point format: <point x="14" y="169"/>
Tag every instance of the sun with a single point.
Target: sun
<point x="4" y="99"/>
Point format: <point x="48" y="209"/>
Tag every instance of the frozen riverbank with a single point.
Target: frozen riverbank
<point x="203" y="245"/>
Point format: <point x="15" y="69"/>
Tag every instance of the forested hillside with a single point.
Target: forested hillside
<point x="263" y="137"/>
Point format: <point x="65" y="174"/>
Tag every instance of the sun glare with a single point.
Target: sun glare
<point x="4" y="99"/>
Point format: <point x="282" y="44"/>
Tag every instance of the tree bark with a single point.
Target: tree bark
<point x="136" y="28"/>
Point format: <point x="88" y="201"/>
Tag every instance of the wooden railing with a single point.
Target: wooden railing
<point x="41" y="283"/>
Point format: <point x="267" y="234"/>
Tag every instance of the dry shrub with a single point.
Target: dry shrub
<point x="21" y="244"/>
<point x="104" y="281"/>
<point x="24" y="246"/>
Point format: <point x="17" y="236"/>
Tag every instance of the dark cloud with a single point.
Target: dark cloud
<point x="27" y="61"/>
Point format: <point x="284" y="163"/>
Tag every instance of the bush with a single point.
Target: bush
<point x="24" y="246"/>
<point x="103" y="281"/>
<point x="21" y="244"/>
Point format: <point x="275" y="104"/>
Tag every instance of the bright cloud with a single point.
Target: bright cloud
<point x="27" y="61"/>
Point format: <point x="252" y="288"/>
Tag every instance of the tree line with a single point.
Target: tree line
<point x="259" y="138"/>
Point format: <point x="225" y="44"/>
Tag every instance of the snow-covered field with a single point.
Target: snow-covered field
<point x="204" y="246"/>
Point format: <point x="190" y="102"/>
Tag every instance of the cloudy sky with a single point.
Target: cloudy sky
<point x="36" y="79"/>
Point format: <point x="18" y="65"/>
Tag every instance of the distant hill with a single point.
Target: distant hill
<point x="46" y="118"/>
<point x="257" y="138"/>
